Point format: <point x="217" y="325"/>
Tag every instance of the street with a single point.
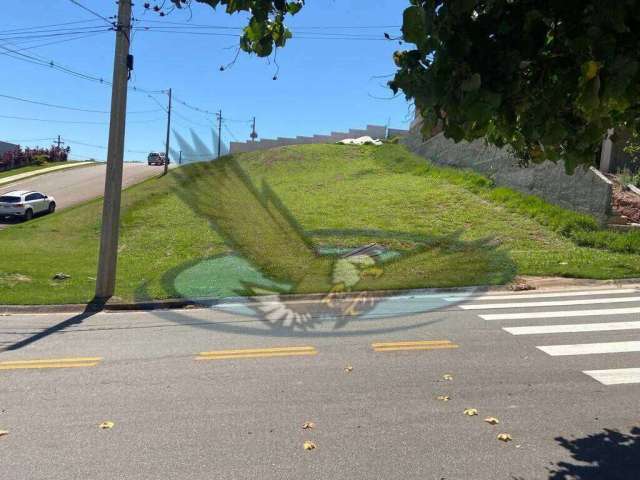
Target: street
<point x="77" y="185"/>
<point x="213" y="393"/>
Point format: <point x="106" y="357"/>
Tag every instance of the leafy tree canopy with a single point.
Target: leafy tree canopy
<point x="547" y="78"/>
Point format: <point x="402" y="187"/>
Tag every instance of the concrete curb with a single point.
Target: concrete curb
<point x="536" y="283"/>
<point x="24" y="176"/>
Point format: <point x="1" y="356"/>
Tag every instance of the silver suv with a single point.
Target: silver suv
<point x="25" y="204"/>
<point x="157" y="158"/>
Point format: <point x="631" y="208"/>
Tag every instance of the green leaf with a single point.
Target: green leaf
<point x="472" y="83"/>
<point x="256" y="30"/>
<point x="294" y="7"/>
<point x="414" y="29"/>
<point x="589" y="98"/>
<point x="590" y="69"/>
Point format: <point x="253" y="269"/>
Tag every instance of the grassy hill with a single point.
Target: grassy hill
<point x="257" y="219"/>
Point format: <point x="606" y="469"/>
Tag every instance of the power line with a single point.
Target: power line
<point x="48" y="34"/>
<point x="164" y="109"/>
<point x="229" y="132"/>
<point x="75" y="2"/>
<point x="30" y="140"/>
<point x="43" y="62"/>
<point x="52" y="43"/>
<point x="70" y="122"/>
<point x="68" y="140"/>
<point x="101" y="147"/>
<point x="302" y="27"/>
<point x="35" y="27"/>
<point x="202" y="31"/>
<point x="75" y="109"/>
<point x="186" y="119"/>
<point x="205" y="111"/>
<point x="317" y="36"/>
<point x="197" y="109"/>
<point x="50" y="63"/>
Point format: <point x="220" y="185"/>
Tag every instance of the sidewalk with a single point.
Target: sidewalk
<point x="22" y="176"/>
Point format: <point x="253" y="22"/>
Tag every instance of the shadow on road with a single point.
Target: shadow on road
<point x="609" y="455"/>
<point x="90" y="310"/>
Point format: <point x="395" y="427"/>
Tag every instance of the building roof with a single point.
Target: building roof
<point x="7" y="147"/>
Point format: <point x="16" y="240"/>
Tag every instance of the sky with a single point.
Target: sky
<point x="332" y="75"/>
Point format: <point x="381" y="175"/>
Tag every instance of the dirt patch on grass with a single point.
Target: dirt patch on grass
<point x="13" y="279"/>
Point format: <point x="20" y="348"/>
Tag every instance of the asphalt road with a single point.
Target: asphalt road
<point x="239" y="414"/>
<point x="76" y="185"/>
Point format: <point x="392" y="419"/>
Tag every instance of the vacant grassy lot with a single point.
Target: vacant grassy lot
<point x="447" y="228"/>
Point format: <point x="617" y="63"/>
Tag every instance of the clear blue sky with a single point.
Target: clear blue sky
<point x="323" y="84"/>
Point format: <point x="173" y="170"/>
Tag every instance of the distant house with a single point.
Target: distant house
<point x="7" y="147"/>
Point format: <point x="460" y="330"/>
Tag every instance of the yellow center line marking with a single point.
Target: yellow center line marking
<point x="51" y="363"/>
<point x="257" y="352"/>
<point x="417" y="345"/>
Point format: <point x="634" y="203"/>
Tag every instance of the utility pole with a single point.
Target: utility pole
<point x="254" y="134"/>
<point x="219" y="132"/>
<point x="108" y="256"/>
<point x="56" y="155"/>
<point x="166" y="145"/>
<point x="180" y="158"/>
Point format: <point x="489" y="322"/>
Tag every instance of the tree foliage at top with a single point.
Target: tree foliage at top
<point x="547" y="78"/>
<point x="266" y="29"/>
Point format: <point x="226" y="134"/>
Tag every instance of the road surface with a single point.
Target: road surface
<point x="76" y="185"/>
<point x="560" y="371"/>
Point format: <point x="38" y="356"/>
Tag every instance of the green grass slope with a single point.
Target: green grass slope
<point x="257" y="219"/>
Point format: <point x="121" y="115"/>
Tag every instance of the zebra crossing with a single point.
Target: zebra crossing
<point x="604" y="312"/>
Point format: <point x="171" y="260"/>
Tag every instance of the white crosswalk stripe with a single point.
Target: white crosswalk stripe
<point x="519" y="296"/>
<point x="599" y="353"/>
<point x="591" y="348"/>
<point x="561" y="314"/>
<point x="559" y="303"/>
<point x="573" y="328"/>
<point x="615" y="376"/>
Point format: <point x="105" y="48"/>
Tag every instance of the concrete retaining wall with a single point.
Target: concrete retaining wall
<point x="374" y="131"/>
<point x="586" y="191"/>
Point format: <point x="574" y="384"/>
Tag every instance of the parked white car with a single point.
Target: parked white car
<point x="25" y="204"/>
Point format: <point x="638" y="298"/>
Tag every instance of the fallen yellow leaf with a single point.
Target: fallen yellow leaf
<point x="348" y="369"/>
<point x="504" y="437"/>
<point x="106" y="425"/>
<point x="492" y="420"/>
<point x="4" y="432"/>
<point x="443" y="398"/>
<point x="308" y="425"/>
<point x="446" y="376"/>
<point x="308" y="445"/>
<point x="471" y="412"/>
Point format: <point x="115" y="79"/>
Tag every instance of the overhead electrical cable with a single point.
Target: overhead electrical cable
<point x="72" y="122"/>
<point x="94" y="13"/>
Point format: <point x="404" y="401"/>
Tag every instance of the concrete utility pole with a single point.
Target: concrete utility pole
<point x="219" y="132"/>
<point x="108" y="257"/>
<point x="166" y="146"/>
